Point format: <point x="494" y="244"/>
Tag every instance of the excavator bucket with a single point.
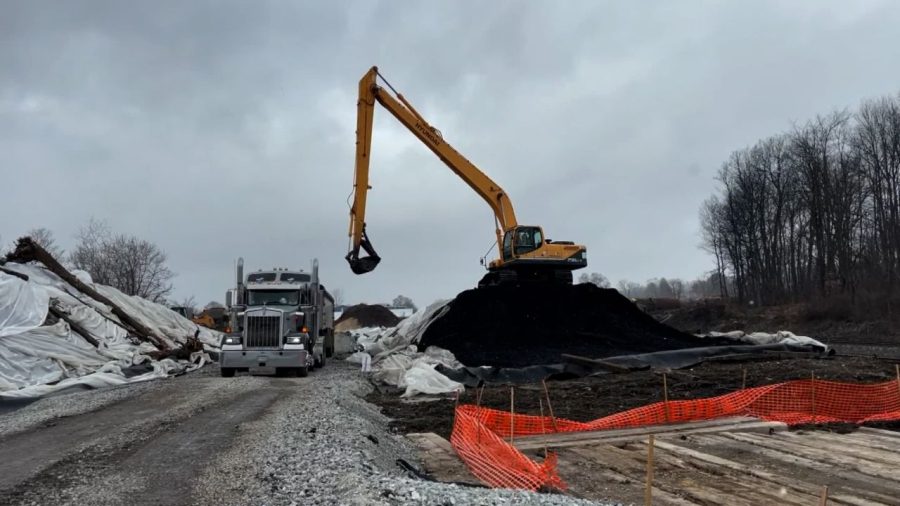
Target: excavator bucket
<point x="365" y="264"/>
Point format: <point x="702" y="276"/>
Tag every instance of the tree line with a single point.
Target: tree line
<point x="132" y="265"/>
<point x="659" y="288"/>
<point x="813" y="212"/>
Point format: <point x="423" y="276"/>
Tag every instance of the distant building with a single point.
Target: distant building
<point x="402" y="312"/>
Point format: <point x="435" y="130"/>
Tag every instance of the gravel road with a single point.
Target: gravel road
<point x="201" y="439"/>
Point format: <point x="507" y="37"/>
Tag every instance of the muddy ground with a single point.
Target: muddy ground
<point x="593" y="397"/>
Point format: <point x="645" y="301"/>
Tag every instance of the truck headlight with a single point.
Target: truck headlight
<point x="232" y="340"/>
<point x="294" y="340"/>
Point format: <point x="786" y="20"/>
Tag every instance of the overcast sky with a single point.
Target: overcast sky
<point x="225" y="129"/>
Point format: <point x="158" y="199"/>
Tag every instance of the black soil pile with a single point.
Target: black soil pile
<point x="508" y="326"/>
<point x="370" y="316"/>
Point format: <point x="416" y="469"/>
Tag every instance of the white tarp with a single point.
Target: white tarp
<point x="36" y="360"/>
<point x="392" y="357"/>
<point x="780" y="337"/>
<point x="23" y="305"/>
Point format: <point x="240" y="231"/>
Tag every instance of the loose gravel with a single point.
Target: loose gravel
<point x="326" y="446"/>
<point x="318" y="443"/>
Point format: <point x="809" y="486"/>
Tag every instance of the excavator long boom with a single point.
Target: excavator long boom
<point x="524" y="251"/>
<point x="369" y="93"/>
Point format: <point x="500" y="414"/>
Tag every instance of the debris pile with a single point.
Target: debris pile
<point x="58" y="329"/>
<point x="508" y="326"/>
<point x="365" y="315"/>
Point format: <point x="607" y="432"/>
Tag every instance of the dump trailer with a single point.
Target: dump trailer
<point x="281" y="321"/>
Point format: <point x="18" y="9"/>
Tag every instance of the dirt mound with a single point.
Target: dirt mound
<point x="368" y="316"/>
<point x="515" y="327"/>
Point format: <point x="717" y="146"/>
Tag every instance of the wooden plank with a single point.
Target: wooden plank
<point x="610" y="457"/>
<point x="591" y="437"/>
<point x="440" y="460"/>
<point x="874" y="441"/>
<point x="880" y="432"/>
<point x="674" y="476"/>
<point x="794" y="491"/>
<point x="761" y="427"/>
<point x="876" y="488"/>
<point x="843" y="444"/>
<point x="784" y="445"/>
<point x="660" y="497"/>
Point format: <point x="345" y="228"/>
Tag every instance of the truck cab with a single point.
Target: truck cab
<point x="282" y="321"/>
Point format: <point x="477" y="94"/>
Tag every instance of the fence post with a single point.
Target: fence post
<point x="744" y="378"/>
<point x="898" y="377"/>
<point x="666" y="397"/>
<point x="512" y="414"/>
<point x="543" y="431"/>
<point x="648" y="492"/>
<point x="550" y="406"/>
<point x="813" y="393"/>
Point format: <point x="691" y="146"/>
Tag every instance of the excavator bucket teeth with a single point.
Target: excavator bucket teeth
<point x="363" y="265"/>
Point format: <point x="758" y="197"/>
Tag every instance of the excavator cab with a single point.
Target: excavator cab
<point x="521" y="240"/>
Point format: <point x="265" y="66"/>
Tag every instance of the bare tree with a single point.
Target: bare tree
<point x="677" y="287"/>
<point x="594" y="278"/>
<point x="134" y="266"/>
<point x="189" y="303"/>
<point x="811" y="214"/>
<point x="404" y="301"/>
<point x="629" y="288"/>
<point x="44" y="237"/>
<point x="338" y="296"/>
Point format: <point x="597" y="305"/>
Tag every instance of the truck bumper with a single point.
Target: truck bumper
<point x="263" y="358"/>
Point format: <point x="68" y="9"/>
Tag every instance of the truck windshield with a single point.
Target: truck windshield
<point x="273" y="297"/>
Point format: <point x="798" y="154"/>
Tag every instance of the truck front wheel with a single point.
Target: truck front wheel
<point x="227" y="372"/>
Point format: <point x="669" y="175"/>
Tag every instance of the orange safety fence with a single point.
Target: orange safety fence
<point x="478" y="433"/>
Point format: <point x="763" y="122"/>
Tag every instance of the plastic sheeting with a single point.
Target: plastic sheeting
<point x="422" y="378"/>
<point x="782" y="336"/>
<point x="23" y="305"/>
<point x="36" y="360"/>
<point x="672" y="359"/>
<point x="375" y="341"/>
<point x="392" y="357"/>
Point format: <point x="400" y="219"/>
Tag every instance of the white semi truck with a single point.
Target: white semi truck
<point x="282" y="321"/>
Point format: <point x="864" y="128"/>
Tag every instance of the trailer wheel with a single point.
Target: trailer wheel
<point x="226" y="372"/>
<point x="302" y="372"/>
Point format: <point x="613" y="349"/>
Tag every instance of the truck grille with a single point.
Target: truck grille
<point x="263" y="331"/>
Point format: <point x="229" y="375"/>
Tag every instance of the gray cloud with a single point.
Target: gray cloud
<point x="220" y="129"/>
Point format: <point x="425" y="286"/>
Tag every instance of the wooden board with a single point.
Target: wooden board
<point x="440" y="459"/>
<point x="701" y="465"/>
<point x="735" y="461"/>
<point x="568" y="439"/>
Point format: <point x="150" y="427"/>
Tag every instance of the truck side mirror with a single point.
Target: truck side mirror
<point x="228" y="300"/>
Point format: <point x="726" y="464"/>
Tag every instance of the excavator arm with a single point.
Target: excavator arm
<point x="524" y="251"/>
<point x="370" y="93"/>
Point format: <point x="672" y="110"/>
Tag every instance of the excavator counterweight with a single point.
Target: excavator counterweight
<point x="524" y="252"/>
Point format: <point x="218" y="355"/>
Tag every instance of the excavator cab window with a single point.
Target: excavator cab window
<point x="507" y="245"/>
<point x="528" y="239"/>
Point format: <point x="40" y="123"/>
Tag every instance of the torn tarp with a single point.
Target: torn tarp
<point x="672" y="359"/>
<point x="38" y="356"/>
<point x="23" y="305"/>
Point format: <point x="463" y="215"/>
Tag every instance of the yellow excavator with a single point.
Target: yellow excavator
<point x="525" y="252"/>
